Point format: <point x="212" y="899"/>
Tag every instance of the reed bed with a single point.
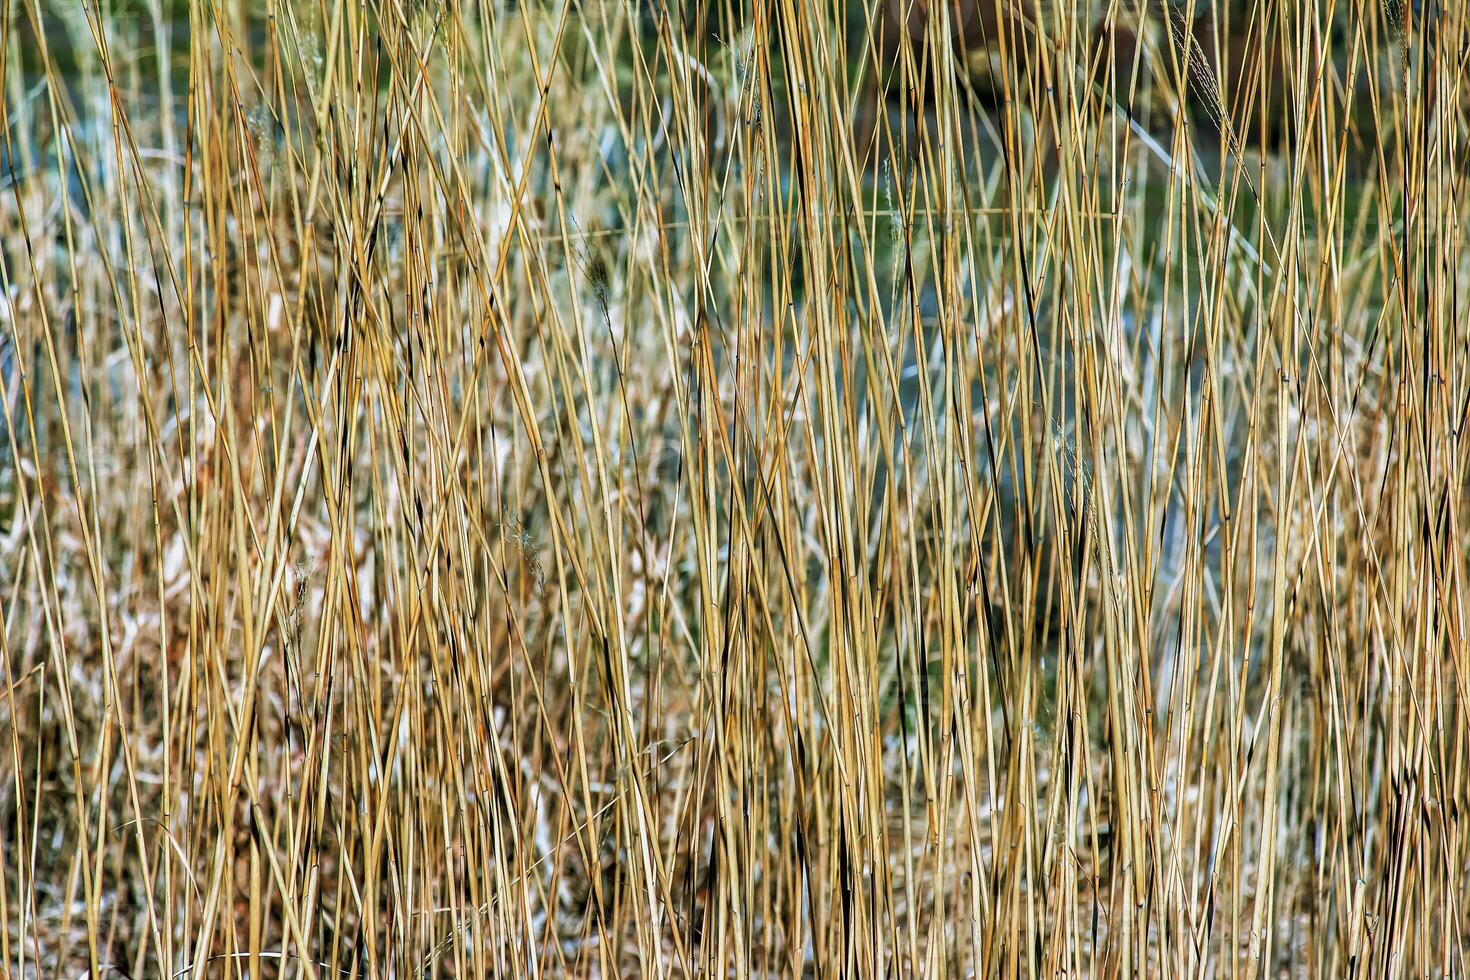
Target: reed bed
<point x="606" y="488"/>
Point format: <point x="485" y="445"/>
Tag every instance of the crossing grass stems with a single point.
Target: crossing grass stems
<point x="625" y="489"/>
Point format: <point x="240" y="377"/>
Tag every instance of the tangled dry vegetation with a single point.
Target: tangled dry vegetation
<point x="588" y="488"/>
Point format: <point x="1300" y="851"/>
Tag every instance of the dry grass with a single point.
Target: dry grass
<point x="590" y="489"/>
